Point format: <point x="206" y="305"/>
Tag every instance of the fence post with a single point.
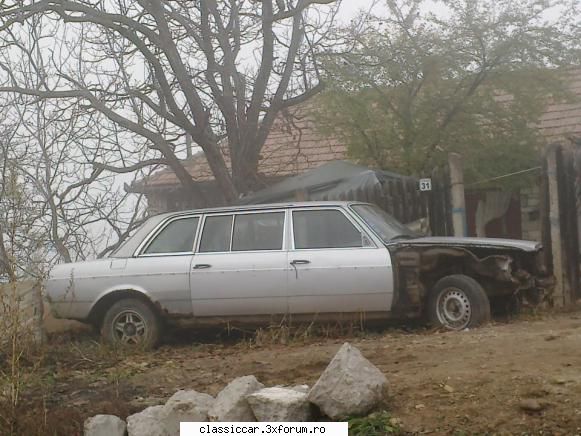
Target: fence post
<point x="458" y="199"/>
<point x="553" y="170"/>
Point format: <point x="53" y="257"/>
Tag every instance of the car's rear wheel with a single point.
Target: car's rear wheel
<point x="131" y="322"/>
<point x="458" y="302"/>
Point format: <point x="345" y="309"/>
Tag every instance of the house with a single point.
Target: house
<point x="295" y="145"/>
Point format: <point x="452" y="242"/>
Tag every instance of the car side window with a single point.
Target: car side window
<point x="216" y="234"/>
<point x="176" y="237"/>
<point x="258" y="231"/>
<point x="325" y="229"/>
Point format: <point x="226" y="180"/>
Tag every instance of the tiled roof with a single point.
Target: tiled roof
<point x="561" y="120"/>
<point x="293" y="146"/>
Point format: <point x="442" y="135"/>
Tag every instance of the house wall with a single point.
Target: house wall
<point x="508" y="225"/>
<point x="160" y="201"/>
<point x="521" y="221"/>
<point x="156" y="203"/>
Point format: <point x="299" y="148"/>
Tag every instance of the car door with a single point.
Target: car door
<point x="334" y="266"/>
<point x="161" y="267"/>
<point x="240" y="265"/>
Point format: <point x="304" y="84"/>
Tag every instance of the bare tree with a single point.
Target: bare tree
<point x="163" y="69"/>
<point x="54" y="205"/>
<point x="56" y="202"/>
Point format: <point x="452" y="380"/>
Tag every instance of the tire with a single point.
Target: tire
<point x="457" y="302"/>
<point x="131" y="322"/>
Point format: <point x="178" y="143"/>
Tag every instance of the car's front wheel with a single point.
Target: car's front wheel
<point x="131" y="322"/>
<point x="457" y="302"/>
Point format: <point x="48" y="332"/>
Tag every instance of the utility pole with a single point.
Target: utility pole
<point x="457" y="198"/>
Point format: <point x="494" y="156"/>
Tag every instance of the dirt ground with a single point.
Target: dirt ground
<point x="471" y="382"/>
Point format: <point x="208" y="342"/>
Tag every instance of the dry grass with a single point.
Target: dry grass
<point x="20" y="356"/>
<point x="287" y="333"/>
<point x="33" y="378"/>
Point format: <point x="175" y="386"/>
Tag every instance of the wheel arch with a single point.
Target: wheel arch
<point x="418" y="269"/>
<point x="107" y="299"/>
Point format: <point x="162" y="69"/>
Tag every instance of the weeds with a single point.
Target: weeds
<point x="376" y="424"/>
<point x="20" y="356"/>
<point x="287" y="333"/>
<point x="84" y="364"/>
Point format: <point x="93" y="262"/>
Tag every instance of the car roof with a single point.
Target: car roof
<point x="251" y="207"/>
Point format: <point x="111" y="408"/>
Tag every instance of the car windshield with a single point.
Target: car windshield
<point x="382" y="223"/>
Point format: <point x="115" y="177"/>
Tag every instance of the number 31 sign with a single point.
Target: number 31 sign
<point x="425" y="184"/>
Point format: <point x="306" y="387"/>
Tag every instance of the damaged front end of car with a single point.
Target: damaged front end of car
<point x="512" y="276"/>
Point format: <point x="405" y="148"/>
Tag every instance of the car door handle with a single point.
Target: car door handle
<point x="300" y="262"/>
<point x="202" y="266"/>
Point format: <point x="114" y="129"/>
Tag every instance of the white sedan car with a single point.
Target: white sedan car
<point x="307" y="261"/>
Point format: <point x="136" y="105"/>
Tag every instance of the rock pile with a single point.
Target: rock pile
<point x="349" y="386"/>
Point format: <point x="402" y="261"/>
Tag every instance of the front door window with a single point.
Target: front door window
<point x="325" y="229"/>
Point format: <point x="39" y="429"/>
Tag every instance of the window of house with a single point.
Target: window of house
<point x="258" y="231"/>
<point x="176" y="237"/>
<point x="325" y="229"/>
<point x="216" y="234"/>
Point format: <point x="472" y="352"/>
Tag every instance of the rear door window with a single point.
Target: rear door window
<point x="176" y="237"/>
<point x="258" y="231"/>
<point x="216" y="235"/>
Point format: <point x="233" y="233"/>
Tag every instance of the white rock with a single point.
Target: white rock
<point x="187" y="406"/>
<point x="148" y="422"/>
<point x="350" y="385"/>
<point x="104" y="425"/>
<point x="301" y="388"/>
<point x="280" y="405"/>
<point x="231" y="404"/>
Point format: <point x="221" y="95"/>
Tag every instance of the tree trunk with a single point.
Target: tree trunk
<point x="221" y="174"/>
<point x="6" y="263"/>
<point x="186" y="179"/>
<point x="245" y="169"/>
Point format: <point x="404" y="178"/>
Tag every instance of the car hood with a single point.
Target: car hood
<point x="449" y="241"/>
